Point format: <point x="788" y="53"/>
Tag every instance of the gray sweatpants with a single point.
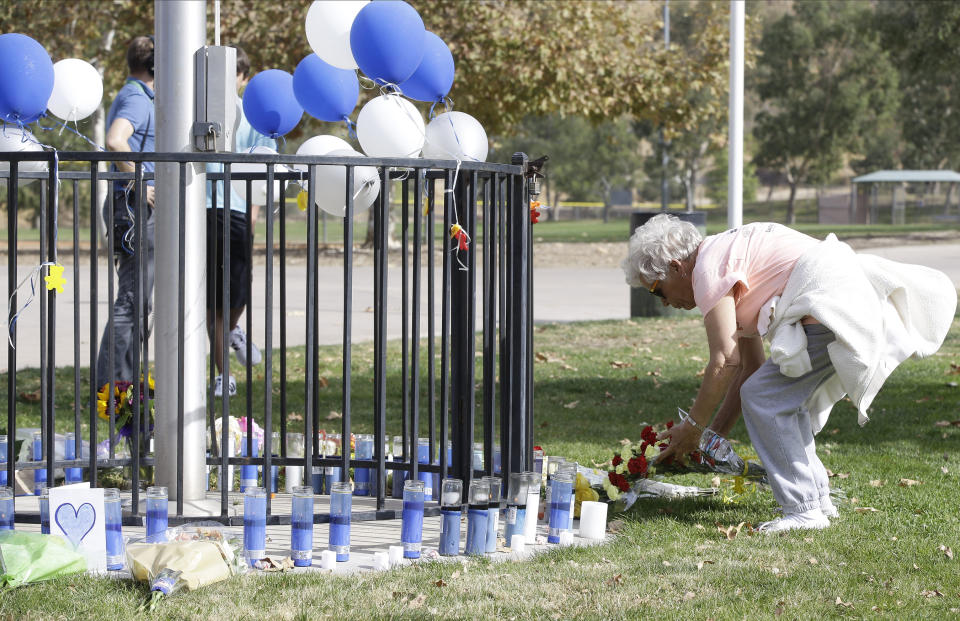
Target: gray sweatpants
<point x="779" y="426"/>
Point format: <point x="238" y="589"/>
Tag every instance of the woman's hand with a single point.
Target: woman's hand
<point x="684" y="439"/>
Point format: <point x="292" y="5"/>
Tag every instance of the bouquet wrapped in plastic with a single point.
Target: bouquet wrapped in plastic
<point x="192" y="556"/>
<point x="32" y="557"/>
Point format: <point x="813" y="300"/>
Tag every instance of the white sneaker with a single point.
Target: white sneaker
<point x="814" y="519"/>
<point x="238" y="341"/>
<point x="828" y="508"/>
<point x="218" y="387"/>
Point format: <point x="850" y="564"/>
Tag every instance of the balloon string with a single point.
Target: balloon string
<point x="351" y="127"/>
<point x="365" y="82"/>
<point x="29" y="278"/>
<point x="74" y="131"/>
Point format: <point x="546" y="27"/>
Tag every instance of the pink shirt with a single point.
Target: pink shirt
<point x="755" y="260"/>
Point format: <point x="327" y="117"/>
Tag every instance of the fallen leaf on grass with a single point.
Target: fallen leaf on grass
<point x="909" y="482"/>
<point x="567" y="367"/>
<point x="689" y="595"/>
<point x="615" y="526"/>
<point x="323" y="382"/>
<point x="878" y="483"/>
<point x="618" y="364"/>
<point x="615" y="580"/>
<point x="699" y="526"/>
<point x="947" y="423"/>
<point x="440" y="583"/>
<point x="933" y="593"/>
<point x="944" y="470"/>
<point x="730" y="532"/>
<point x="455" y="575"/>
<point x="571" y="405"/>
<point x="607" y="395"/>
<point x="866" y="510"/>
<point x="839" y="475"/>
<point x="294" y="416"/>
<point x="702" y="563"/>
<point x="947" y="552"/>
<point x="334" y="415"/>
<point x="812" y="561"/>
<point x="655" y="373"/>
<point x="840" y="602"/>
<point x="417" y="601"/>
<point x="917" y="567"/>
<point x="779" y="609"/>
<point x="30" y="397"/>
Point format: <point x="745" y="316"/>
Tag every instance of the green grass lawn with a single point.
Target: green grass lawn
<point x="595" y="383"/>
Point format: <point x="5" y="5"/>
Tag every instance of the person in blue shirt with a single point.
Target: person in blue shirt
<point x="241" y="241"/>
<point x="131" y="125"/>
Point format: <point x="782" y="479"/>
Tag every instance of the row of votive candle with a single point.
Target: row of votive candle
<point x="71" y="475"/>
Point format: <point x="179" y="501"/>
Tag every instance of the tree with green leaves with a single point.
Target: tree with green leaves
<point x="825" y="82"/>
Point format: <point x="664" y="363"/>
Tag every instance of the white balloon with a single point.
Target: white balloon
<point x="328" y="30"/>
<point x="390" y="126"/>
<point x="332" y="183"/>
<point x="15" y="140"/>
<point x="77" y="90"/>
<point x="321" y="145"/>
<point x="456" y="136"/>
<point x="258" y="189"/>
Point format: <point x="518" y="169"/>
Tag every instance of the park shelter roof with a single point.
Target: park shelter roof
<point x="909" y="176"/>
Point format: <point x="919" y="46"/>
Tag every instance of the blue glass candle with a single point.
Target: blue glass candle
<point x="450" y="506"/>
<point x="477" y="512"/>
<point x="331" y="474"/>
<point x="45" y="511"/>
<point x="255" y="523"/>
<point x="6" y="508"/>
<point x="71" y="450"/>
<point x="3" y="461"/>
<point x="571" y="468"/>
<point x="560" y="505"/>
<point x="301" y="526"/>
<point x="249" y="474"/>
<point x="361" y="475"/>
<point x="340" y="507"/>
<point x="493" y="513"/>
<point x="532" y="482"/>
<point x="514" y="515"/>
<point x="538" y="461"/>
<point x="399" y="476"/>
<point x="411" y="530"/>
<point x="423" y="457"/>
<point x="113" y="521"/>
<point x="552" y="467"/>
<point x="40" y="474"/>
<point x="157" y="513"/>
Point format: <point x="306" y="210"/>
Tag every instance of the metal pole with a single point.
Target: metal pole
<point x="664" y="156"/>
<point x="180" y="32"/>
<point x="735" y="158"/>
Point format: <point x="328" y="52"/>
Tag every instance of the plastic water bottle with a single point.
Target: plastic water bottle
<point x="718" y="448"/>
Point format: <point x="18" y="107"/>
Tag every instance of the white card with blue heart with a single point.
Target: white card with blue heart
<point x="76" y="512"/>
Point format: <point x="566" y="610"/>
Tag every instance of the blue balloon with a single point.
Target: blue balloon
<point x="325" y="92"/>
<point x="434" y="76"/>
<point x="387" y="40"/>
<point x="269" y="103"/>
<point x="26" y="79"/>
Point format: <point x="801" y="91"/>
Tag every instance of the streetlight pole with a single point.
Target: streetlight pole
<point x="664" y="156"/>
<point x="735" y="141"/>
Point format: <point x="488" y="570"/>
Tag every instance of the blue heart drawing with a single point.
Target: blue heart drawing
<point x="75" y="523"/>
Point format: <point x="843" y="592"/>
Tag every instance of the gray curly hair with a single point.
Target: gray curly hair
<point x="660" y="240"/>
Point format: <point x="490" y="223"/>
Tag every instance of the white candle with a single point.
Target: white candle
<point x="395" y="555"/>
<point x="450" y="499"/>
<point x="593" y="520"/>
<point x="328" y="559"/>
<point x="294" y="477"/>
<point x="530" y="517"/>
<point x="566" y="537"/>
<point x="381" y="561"/>
<point x="518" y="544"/>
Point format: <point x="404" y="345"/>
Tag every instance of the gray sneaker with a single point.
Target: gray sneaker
<point x="238" y="341"/>
<point x="218" y="387"/>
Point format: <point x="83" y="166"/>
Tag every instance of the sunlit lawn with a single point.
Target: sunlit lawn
<point x="889" y="554"/>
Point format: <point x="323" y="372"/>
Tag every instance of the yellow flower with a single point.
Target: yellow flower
<point x="581" y="483"/>
<point x="102" y="409"/>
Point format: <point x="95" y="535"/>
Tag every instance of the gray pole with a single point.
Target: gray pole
<point x="664" y="157"/>
<point x="180" y="32"/>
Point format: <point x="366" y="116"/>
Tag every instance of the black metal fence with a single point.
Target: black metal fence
<point x="441" y="386"/>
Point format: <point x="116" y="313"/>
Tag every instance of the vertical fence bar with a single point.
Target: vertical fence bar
<point x="140" y="287"/>
<point x="267" y="348"/>
<point x="431" y="324"/>
<point x="489" y="314"/>
<point x="77" y="399"/>
<point x="519" y="233"/>
<point x="224" y="481"/>
<point x="504" y="325"/>
<point x="94" y="285"/>
<point x="53" y="204"/>
<point x="380" y="250"/>
<point x="311" y="350"/>
<point x="12" y="187"/>
<point x="415" y="319"/>
<point x="405" y="407"/>
<point x="347" y="325"/>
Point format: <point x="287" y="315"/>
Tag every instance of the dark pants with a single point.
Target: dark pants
<point x="129" y="331"/>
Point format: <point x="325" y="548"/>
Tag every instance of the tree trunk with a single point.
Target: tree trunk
<point x="691" y="189"/>
<point x="791" y="215"/>
<point x="606" y="199"/>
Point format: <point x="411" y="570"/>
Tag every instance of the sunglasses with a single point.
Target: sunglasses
<point x="655" y="289"/>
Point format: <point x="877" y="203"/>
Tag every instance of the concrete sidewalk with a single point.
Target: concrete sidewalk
<point x="560" y="294"/>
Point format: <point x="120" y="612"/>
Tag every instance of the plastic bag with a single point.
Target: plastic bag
<point x="192" y="556"/>
<point x="33" y="557"/>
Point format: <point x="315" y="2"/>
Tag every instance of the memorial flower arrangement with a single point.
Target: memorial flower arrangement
<point x="127" y="398"/>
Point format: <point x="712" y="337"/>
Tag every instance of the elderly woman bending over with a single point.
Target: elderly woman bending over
<point x="837" y="323"/>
